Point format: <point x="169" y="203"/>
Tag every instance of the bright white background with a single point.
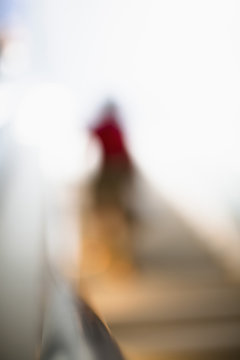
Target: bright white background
<point x="174" y="68"/>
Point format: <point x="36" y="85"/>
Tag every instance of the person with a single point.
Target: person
<point x="111" y="218"/>
<point x="117" y="169"/>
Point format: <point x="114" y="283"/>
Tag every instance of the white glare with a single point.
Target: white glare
<point x="47" y="119"/>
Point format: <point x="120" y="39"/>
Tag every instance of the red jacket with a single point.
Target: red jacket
<point x="112" y="141"/>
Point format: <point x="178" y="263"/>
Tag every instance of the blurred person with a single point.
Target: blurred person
<point x="117" y="167"/>
<point x="110" y="223"/>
